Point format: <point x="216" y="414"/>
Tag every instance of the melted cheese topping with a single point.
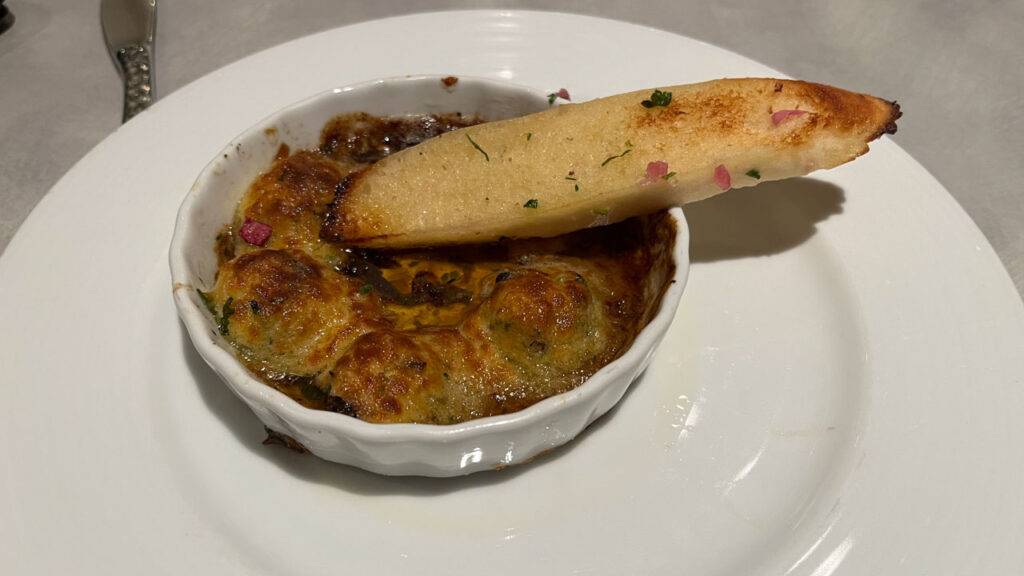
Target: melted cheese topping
<point x="434" y="336"/>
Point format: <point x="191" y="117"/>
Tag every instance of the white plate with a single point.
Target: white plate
<point x="840" y="392"/>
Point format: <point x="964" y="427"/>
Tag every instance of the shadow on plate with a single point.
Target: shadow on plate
<point x="248" y="430"/>
<point x="760" y="221"/>
<point x="767" y="219"/>
<point x="6" y="18"/>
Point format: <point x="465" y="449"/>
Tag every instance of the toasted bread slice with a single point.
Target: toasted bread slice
<point x="580" y="165"/>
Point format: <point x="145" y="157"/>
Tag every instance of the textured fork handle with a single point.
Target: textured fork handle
<point x="137" y="66"/>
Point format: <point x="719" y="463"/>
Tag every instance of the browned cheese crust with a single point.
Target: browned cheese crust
<point x="579" y="165"/>
<point x="434" y="336"/>
<point x="287" y="313"/>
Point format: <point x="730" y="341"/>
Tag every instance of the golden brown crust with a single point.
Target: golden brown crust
<point x="292" y="198"/>
<point x="386" y="376"/>
<point x="340" y="218"/>
<point x="578" y="165"/>
<point x="427" y="336"/>
<point x="289" y="311"/>
<point x="543" y="320"/>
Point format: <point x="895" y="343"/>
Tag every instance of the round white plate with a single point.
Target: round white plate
<point x="840" y="391"/>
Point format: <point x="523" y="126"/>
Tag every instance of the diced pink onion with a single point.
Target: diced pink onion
<point x="722" y="177"/>
<point x="655" y="171"/>
<point x="255" y="233"/>
<point x="781" y="115"/>
<point x="563" y="94"/>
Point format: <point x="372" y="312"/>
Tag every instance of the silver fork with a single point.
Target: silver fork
<point x="129" y="27"/>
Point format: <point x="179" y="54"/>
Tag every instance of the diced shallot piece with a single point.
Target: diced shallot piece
<point x="255" y="233"/>
<point x="722" y="177"/>
<point x="655" y="170"/>
<point x="779" y="116"/>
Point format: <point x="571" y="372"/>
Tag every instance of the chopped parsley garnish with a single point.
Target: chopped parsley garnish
<point x="570" y="178"/>
<point x="577" y="187"/>
<point x="206" y="301"/>
<point x="551" y="98"/>
<point x="477" y="146"/>
<point x="667" y="176"/>
<point x="225" y="312"/>
<point x="600" y="211"/>
<point x="449" y="277"/>
<point x="365" y="289"/>
<point x="610" y="158"/>
<point x="531" y="203"/>
<point x="658" y="98"/>
<point x="753" y="173"/>
<point x="528" y="136"/>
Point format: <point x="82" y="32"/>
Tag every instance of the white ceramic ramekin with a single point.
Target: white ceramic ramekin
<point x="395" y="449"/>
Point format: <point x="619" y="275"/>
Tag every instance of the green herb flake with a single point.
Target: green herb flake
<point x="629" y="144"/>
<point x="658" y="98"/>
<point x="477" y="146"/>
<point x="365" y="289"/>
<point x="225" y="312"/>
<point x="610" y="158"/>
<point x="551" y="98"/>
<point x="573" y="178"/>
<point x="205" y="299"/>
<point x="528" y="136"/>
<point x="576" y="186"/>
<point x="531" y="203"/>
<point x="667" y="176"/>
<point x="449" y="277"/>
<point x="600" y="211"/>
<point x="753" y="173"/>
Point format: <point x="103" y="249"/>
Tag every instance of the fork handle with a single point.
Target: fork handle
<point x="136" y="62"/>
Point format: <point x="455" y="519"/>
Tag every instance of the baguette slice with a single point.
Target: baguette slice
<point x="581" y="165"/>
